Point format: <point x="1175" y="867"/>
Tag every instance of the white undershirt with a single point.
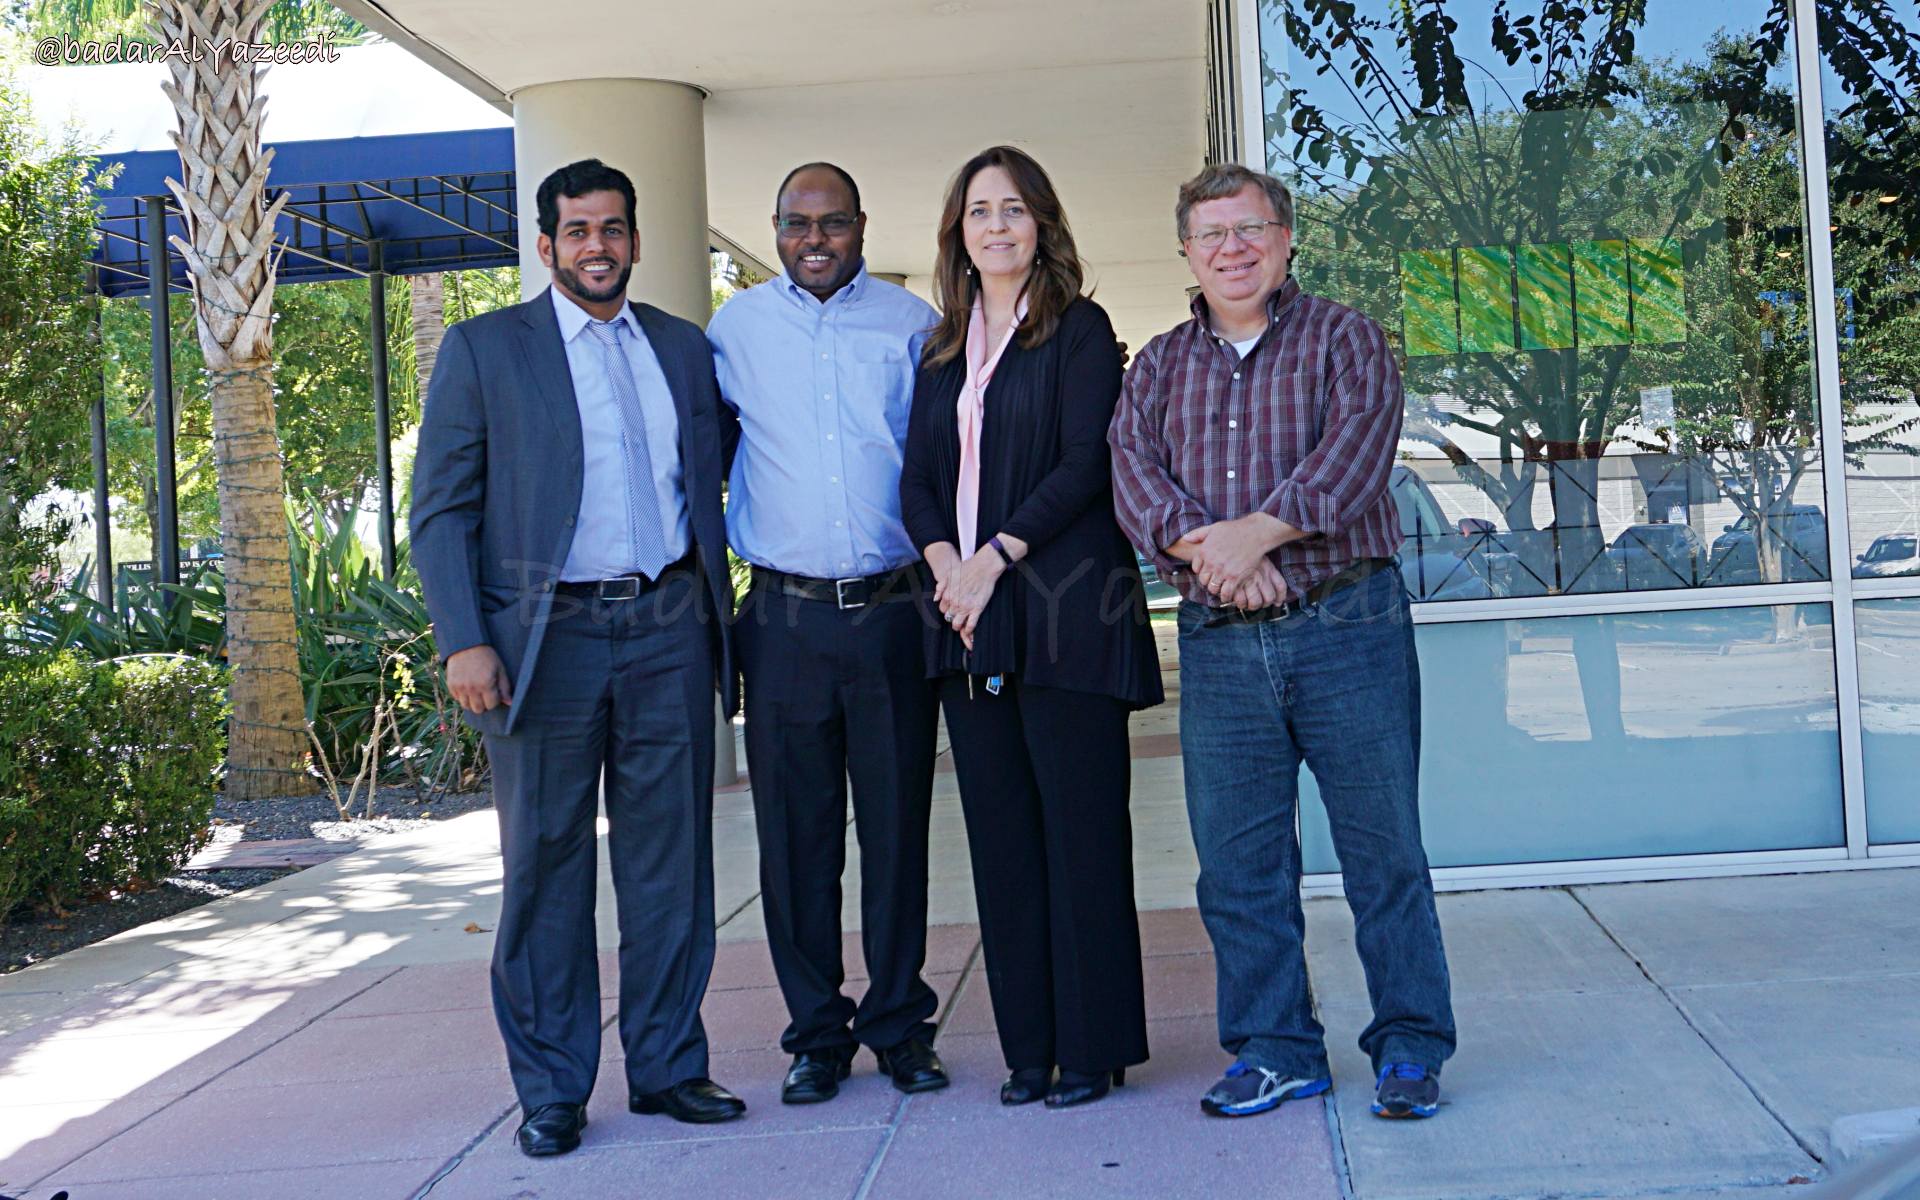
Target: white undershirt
<point x="1245" y="348"/>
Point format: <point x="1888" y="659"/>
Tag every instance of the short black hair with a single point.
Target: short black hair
<point x="576" y="179"/>
<point x="818" y="166"/>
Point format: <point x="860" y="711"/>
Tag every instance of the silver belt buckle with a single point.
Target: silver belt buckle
<point x="627" y="587"/>
<point x="840" y="594"/>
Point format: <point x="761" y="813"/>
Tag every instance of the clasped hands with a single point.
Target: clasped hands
<point x="1230" y="559"/>
<point x="962" y="587"/>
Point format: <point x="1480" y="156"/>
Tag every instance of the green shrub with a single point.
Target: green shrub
<point x="107" y="771"/>
<point x="367" y="658"/>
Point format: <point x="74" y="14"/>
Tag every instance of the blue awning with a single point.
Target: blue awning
<point x="427" y="201"/>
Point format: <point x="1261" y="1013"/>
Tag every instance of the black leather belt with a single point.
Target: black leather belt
<point x="623" y="587"/>
<point x="1226" y="614"/>
<point x="857" y="591"/>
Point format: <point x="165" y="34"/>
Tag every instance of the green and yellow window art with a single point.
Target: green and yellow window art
<point x="1549" y="296"/>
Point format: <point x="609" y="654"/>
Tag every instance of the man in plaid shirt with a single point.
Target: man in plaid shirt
<point x="1251" y="452"/>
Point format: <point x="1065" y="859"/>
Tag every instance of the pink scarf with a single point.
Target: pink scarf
<point x="972" y="412"/>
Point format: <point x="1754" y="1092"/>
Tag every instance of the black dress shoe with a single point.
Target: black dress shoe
<point x="695" y="1101"/>
<point x="1026" y="1085"/>
<point x="1074" y="1088"/>
<point x="551" y="1129"/>
<point x="815" y="1076"/>
<point x="913" y="1066"/>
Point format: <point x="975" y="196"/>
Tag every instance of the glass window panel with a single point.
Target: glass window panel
<point x="1590" y="251"/>
<point x="1873" y="159"/>
<point x="1624" y="735"/>
<point x="1427" y="302"/>
<point x="1486" y="298"/>
<point x="1545" y="275"/>
<point x="1889" y="633"/>
<point x="1659" y="290"/>
<point x="1600" y="278"/>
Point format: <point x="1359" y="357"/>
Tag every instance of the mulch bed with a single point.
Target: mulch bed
<point x="32" y="936"/>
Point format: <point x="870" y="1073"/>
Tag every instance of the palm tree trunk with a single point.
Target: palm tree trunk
<point x="429" y="299"/>
<point x="231" y="258"/>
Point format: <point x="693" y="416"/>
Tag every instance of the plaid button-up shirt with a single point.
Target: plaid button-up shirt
<point x="1303" y="428"/>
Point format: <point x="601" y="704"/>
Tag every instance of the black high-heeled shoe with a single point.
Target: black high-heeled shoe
<point x="1074" y="1088"/>
<point x="1026" y="1085"/>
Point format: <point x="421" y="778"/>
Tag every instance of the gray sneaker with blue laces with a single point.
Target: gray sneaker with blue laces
<point x="1247" y="1089"/>
<point x="1406" y="1090"/>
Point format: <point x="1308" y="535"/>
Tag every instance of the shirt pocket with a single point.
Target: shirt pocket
<point x="885" y="378"/>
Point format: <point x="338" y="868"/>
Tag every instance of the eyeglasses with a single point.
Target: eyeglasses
<point x="797" y="227"/>
<point x="1214" y="236"/>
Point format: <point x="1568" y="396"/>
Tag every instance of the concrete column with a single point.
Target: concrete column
<point x="654" y="131"/>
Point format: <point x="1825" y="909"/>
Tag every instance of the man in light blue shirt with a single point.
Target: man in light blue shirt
<point x="818" y="365"/>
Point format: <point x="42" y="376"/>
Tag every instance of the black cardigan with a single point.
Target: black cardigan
<point x="1072" y="614"/>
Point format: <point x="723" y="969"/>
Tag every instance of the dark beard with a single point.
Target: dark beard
<point x="571" y="282"/>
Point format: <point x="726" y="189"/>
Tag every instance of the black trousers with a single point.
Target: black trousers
<point x="833" y="694"/>
<point x="622" y="694"/>
<point x="1044" y="782"/>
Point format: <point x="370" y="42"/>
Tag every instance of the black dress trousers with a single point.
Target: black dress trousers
<point x="1044" y="778"/>
<point x="836" y="694"/>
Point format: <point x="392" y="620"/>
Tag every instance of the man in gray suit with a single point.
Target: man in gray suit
<point x="567" y="530"/>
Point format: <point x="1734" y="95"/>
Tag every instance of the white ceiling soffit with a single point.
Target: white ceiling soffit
<point x="1109" y="95"/>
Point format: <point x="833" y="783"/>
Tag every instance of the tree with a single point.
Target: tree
<point x="230" y="259"/>
<point x="49" y="355"/>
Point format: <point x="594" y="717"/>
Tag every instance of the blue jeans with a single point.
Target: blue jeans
<point x="1337" y="686"/>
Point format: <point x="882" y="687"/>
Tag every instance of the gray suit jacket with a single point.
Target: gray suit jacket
<point x="496" y="484"/>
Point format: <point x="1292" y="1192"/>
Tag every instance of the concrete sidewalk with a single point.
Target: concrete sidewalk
<point x="329" y="1035"/>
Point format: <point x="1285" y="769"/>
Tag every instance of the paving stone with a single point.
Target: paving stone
<point x="1157" y="1149"/>
<point x="1816" y="1050"/>
<point x="361" y="1181"/>
<point x="1173" y="931"/>
<point x="303" y="1125"/>
<point x="284" y="852"/>
<point x="1830" y="925"/>
<point x="344" y="1049"/>
<point x="827" y="1165"/>
<point x="44" y="1136"/>
<point x="1563" y="1094"/>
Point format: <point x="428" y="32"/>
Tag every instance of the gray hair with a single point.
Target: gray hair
<point x="1221" y="180"/>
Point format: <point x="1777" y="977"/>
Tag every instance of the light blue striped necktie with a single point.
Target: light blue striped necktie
<point x="646" y="535"/>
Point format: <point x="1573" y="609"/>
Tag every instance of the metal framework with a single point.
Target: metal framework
<point x="1839" y="592"/>
<point x="327" y="231"/>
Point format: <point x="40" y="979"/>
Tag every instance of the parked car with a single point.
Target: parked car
<point x="1658" y="555"/>
<point x="1801" y="532"/>
<point x="1890" y="554"/>
<point x="1441" y="559"/>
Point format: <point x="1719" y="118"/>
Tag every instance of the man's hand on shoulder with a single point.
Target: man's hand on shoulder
<point x="478" y="679"/>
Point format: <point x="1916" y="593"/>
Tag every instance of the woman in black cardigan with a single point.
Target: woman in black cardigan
<point x="1040" y="638"/>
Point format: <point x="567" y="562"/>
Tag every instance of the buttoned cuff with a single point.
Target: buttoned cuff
<point x="1306" y="509"/>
